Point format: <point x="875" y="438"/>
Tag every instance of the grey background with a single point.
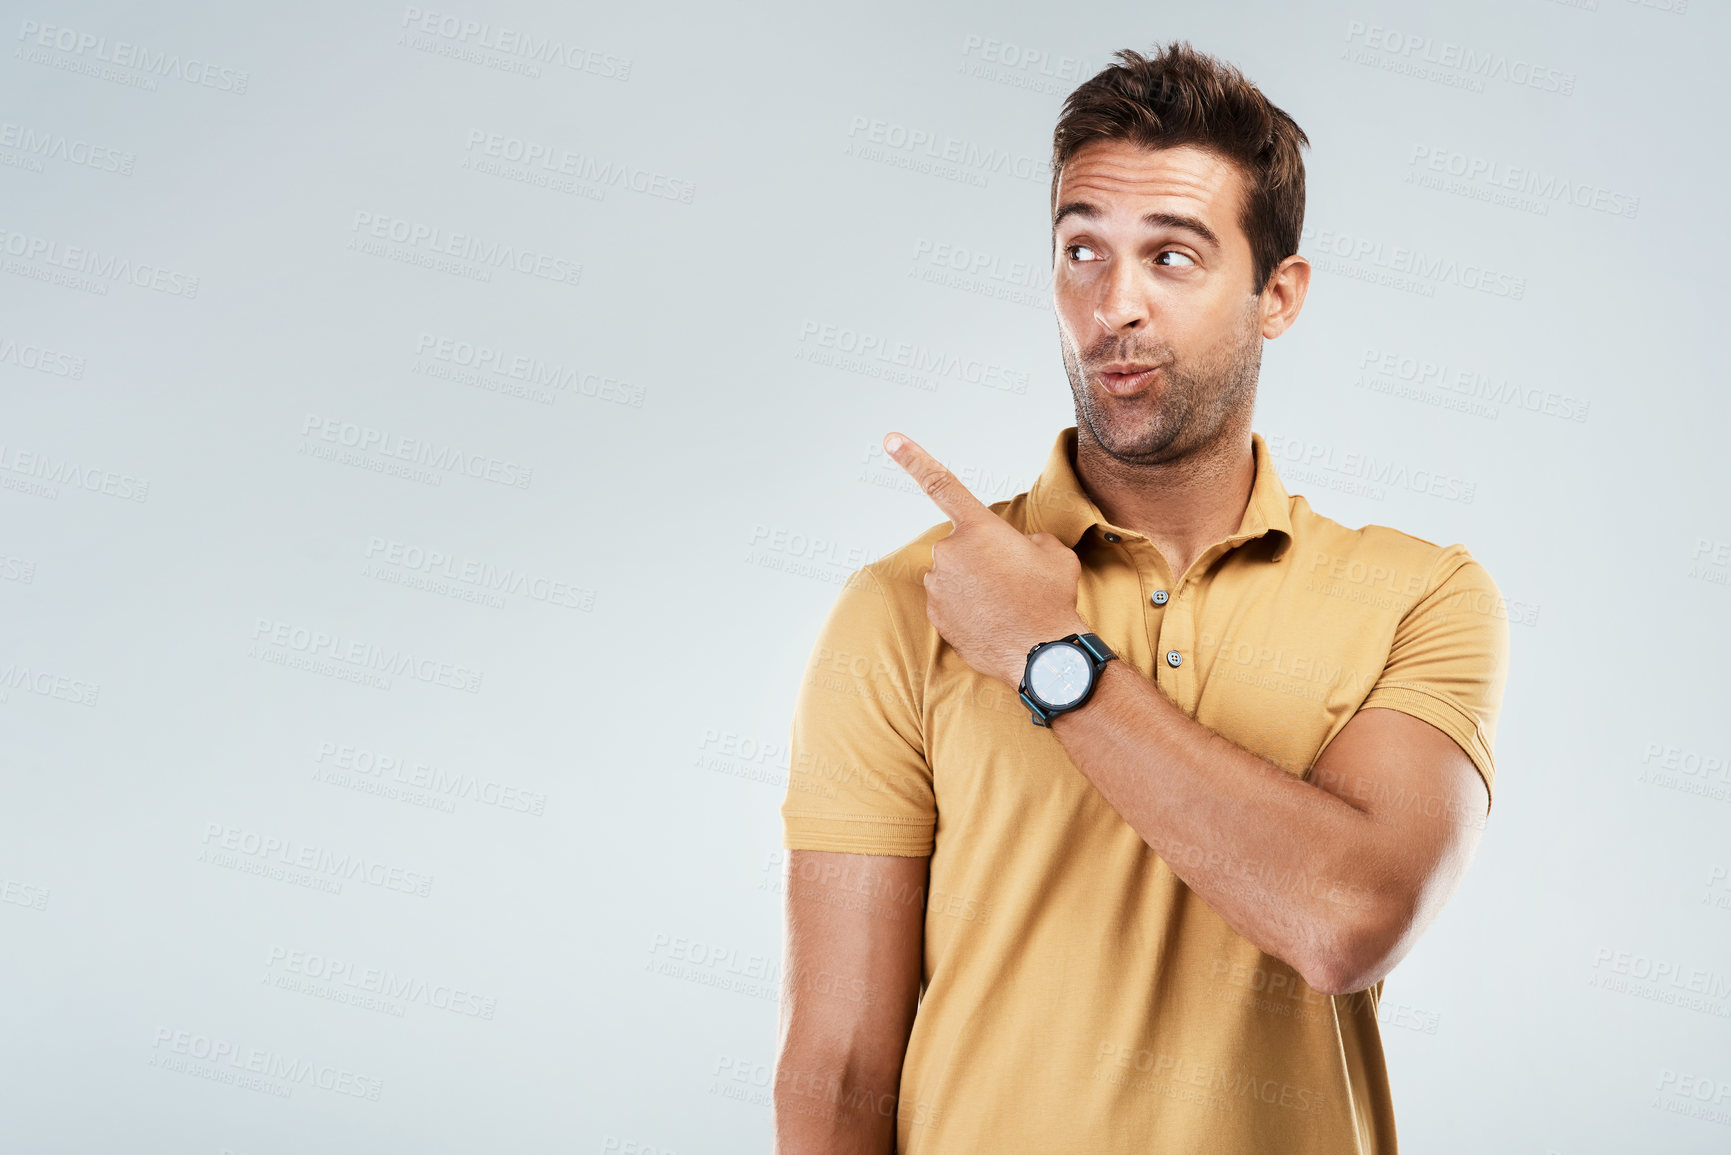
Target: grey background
<point x="593" y="964"/>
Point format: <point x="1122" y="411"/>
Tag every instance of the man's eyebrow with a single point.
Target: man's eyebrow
<point x="1154" y="220"/>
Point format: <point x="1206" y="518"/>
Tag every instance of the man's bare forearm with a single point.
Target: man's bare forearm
<point x="850" y="990"/>
<point x="1288" y="865"/>
<point x="822" y="1107"/>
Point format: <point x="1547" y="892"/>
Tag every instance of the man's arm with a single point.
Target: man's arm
<point x="850" y="983"/>
<point x="1337" y="876"/>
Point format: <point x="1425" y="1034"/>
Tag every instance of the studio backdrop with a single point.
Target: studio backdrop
<point x="431" y="437"/>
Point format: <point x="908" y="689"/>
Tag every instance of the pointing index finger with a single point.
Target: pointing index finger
<point x="939" y="484"/>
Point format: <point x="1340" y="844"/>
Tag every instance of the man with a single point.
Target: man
<point x="1159" y="917"/>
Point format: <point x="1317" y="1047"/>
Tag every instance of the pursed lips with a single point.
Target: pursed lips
<point x="1121" y="378"/>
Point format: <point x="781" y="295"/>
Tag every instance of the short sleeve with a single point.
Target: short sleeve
<point x="1448" y="662"/>
<point x="858" y="781"/>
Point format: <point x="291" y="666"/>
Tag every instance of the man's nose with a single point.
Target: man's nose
<point x="1121" y="304"/>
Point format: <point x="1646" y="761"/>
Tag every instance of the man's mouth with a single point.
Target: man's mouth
<point x="1122" y="378"/>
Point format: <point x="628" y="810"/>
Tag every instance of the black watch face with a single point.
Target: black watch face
<point x="1059" y="675"/>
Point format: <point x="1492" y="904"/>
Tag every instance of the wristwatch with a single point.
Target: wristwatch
<point x="1061" y="675"/>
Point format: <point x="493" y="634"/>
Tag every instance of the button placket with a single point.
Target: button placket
<point x="1176" y="648"/>
<point x="1148" y="569"/>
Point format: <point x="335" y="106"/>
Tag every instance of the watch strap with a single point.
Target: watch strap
<point x="1091" y="642"/>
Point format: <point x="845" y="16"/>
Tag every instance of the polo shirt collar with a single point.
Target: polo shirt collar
<point x="1059" y="505"/>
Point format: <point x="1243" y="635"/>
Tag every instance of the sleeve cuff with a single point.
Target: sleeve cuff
<point x="907" y="838"/>
<point x="1446" y="716"/>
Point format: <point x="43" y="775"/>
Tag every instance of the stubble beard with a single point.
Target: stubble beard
<point x="1188" y="406"/>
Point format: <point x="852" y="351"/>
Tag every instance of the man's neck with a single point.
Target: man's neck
<point x="1182" y="506"/>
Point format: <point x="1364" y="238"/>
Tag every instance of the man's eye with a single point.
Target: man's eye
<point x="1175" y="253"/>
<point x="1072" y="250"/>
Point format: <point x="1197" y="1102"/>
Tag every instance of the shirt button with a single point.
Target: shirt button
<point x="1159" y="597"/>
<point x="1112" y="537"/>
<point x="1173" y="657"/>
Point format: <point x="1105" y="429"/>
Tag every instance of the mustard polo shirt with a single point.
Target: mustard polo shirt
<point x="1078" y="996"/>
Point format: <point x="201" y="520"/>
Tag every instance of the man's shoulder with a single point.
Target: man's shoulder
<point x="900" y="573"/>
<point x="1392" y="558"/>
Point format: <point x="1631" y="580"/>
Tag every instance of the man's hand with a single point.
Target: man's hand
<point x="993" y="592"/>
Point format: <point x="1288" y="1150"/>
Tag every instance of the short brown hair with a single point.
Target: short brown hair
<point x="1182" y="96"/>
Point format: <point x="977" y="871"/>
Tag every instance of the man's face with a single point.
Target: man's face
<point x="1152" y="272"/>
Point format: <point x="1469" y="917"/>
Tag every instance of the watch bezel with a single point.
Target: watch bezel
<point x="1088" y="663"/>
<point x="1043" y="711"/>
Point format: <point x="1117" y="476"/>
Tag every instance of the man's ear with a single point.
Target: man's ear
<point x="1283" y="296"/>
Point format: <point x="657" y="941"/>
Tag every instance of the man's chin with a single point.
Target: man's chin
<point x="1136" y="441"/>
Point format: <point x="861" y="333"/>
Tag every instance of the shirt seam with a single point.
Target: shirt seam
<point x="885" y="820"/>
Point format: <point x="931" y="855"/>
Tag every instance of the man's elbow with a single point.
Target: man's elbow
<point x="1365" y="947"/>
<point x="1343" y="975"/>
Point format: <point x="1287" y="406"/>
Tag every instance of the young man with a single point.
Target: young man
<point x="1159" y="917"/>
